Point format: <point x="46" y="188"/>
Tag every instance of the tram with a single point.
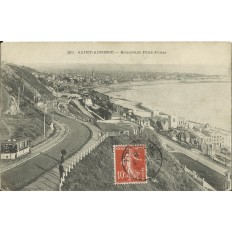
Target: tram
<point x="14" y="148"/>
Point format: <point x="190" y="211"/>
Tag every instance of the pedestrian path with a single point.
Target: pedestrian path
<point x="50" y="180"/>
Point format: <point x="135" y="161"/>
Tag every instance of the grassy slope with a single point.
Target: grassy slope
<point x="4" y="100"/>
<point x="96" y="171"/>
<point x="4" y="104"/>
<point x="119" y="126"/>
<point x="4" y="131"/>
<point x="212" y="177"/>
<point x="30" y="122"/>
<point x="31" y="79"/>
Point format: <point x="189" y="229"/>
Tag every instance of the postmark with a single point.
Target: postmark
<point x="130" y="164"/>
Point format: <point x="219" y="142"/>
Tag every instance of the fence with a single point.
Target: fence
<point x="198" y="180"/>
<point x="76" y="160"/>
<point x="194" y="176"/>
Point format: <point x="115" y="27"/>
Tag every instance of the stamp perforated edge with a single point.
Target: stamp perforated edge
<point x="126" y="183"/>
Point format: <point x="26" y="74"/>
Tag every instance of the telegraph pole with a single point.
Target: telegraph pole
<point x="18" y="98"/>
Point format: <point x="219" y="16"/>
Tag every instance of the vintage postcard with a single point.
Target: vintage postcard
<point x="110" y="116"/>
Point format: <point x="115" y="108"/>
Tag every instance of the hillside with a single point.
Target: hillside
<point x="27" y="120"/>
<point x="4" y="131"/>
<point x="28" y="77"/>
<point x="4" y="100"/>
<point x="96" y="171"/>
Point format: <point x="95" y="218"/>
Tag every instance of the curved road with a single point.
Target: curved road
<point x="26" y="173"/>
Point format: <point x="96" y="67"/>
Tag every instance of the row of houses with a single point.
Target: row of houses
<point x="211" y="141"/>
<point x="143" y="122"/>
<point x="169" y="121"/>
<point x="215" y="137"/>
<point x="119" y="112"/>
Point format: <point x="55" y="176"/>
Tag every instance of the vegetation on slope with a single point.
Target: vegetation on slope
<point x="96" y="170"/>
<point x="215" y="179"/>
<point x="4" y="99"/>
<point x="30" y="79"/>
<point x="29" y="120"/>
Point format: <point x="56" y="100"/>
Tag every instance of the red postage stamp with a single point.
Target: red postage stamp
<point x="130" y="164"/>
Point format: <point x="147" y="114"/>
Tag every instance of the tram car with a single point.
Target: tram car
<point x="14" y="148"/>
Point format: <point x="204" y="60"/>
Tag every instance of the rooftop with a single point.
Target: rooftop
<point x="14" y="140"/>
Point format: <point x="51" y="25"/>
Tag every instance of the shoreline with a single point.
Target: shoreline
<point x="127" y="85"/>
<point x="114" y="88"/>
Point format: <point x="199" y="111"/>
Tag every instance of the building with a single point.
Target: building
<point x="208" y="149"/>
<point x="115" y="81"/>
<point x="211" y="151"/>
<point x="163" y="116"/>
<point x="142" y="113"/>
<point x="130" y="111"/>
<point x="87" y="101"/>
<point x="165" y="124"/>
<point x="205" y="143"/>
<point x="181" y="122"/>
<point x="156" y="112"/>
<point x="173" y="119"/>
<point x="226" y="139"/>
<point x="124" y="115"/>
<point x="115" y="116"/>
<point x="218" y="137"/>
<point x="143" y="122"/>
<point x="189" y="125"/>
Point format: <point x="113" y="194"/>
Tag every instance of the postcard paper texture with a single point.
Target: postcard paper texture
<point x="143" y="116"/>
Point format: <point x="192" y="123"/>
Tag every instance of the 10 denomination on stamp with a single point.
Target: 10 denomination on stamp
<point x="130" y="164"/>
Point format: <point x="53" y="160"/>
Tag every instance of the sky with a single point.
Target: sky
<point x="201" y="57"/>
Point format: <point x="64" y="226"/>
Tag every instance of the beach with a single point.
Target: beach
<point x="200" y="101"/>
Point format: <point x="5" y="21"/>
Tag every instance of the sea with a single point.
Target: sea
<point x="198" y="101"/>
